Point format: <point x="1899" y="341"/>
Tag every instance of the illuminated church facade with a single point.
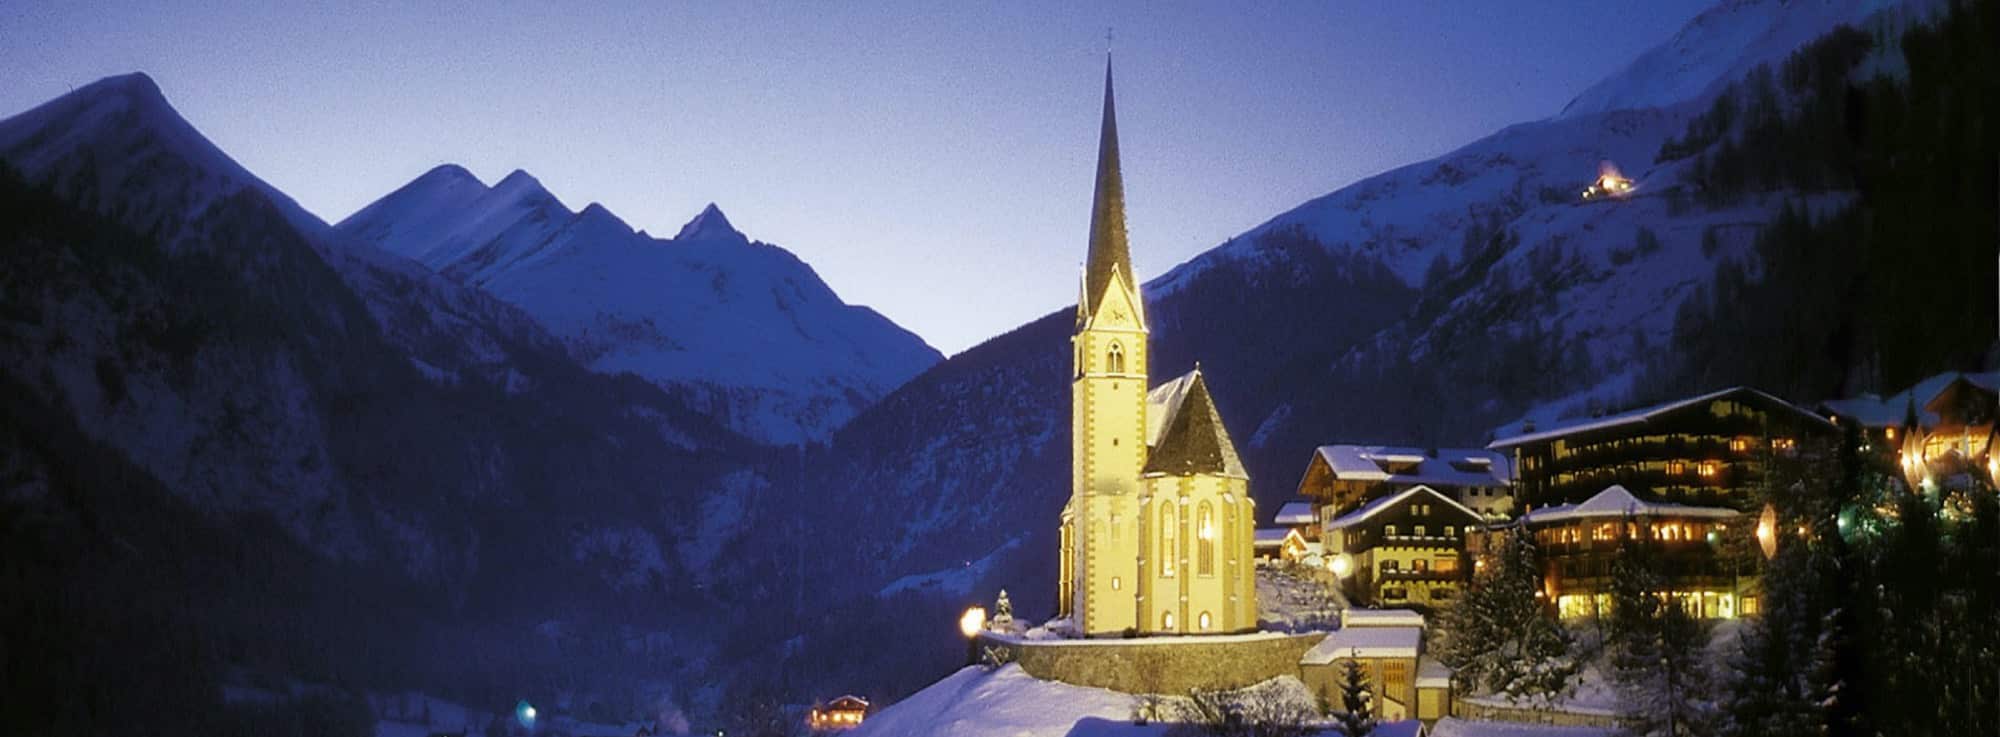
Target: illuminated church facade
<point x="1157" y="535"/>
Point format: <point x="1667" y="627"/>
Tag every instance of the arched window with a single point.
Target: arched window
<point x="1204" y="621"/>
<point x="1167" y="549"/>
<point x="1205" y="541"/>
<point x="1167" y="621"/>
<point x="1114" y="359"/>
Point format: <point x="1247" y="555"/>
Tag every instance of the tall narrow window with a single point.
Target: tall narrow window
<point x="1167" y="549"/>
<point x="1114" y="359"/>
<point x="1205" y="543"/>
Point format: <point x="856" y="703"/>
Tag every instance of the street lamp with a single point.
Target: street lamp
<point x="970" y="624"/>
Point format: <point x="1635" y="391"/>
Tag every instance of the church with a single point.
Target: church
<point x="1157" y="534"/>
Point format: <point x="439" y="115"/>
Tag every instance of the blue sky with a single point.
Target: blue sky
<point x="931" y="160"/>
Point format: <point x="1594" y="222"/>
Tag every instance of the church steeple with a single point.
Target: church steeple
<point x="1109" y="253"/>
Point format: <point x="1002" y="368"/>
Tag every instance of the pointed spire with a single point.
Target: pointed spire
<point x="1108" y="251"/>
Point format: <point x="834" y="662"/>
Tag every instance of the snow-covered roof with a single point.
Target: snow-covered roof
<point x="1647" y="414"/>
<point x="1295" y="513"/>
<point x="1433" y="674"/>
<point x="1616" y="502"/>
<point x="1365" y="642"/>
<point x="1269" y="537"/>
<point x="1358" y="617"/>
<point x="1189" y="437"/>
<point x="1365" y="511"/>
<point x="1890" y="411"/>
<point x="1442" y="467"/>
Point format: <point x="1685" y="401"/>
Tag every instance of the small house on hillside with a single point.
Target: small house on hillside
<point x="1402" y="550"/>
<point x="1340" y="478"/>
<point x="846" y="712"/>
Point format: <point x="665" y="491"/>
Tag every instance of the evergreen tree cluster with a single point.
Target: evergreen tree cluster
<point x="1498" y="637"/>
<point x="1889" y="278"/>
<point x="1879" y="611"/>
<point x="1656" y="648"/>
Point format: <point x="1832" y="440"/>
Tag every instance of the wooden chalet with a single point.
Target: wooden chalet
<point x="1402" y="550"/>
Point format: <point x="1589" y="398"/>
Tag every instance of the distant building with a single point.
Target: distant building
<point x="1406" y="684"/>
<point x="1579" y="542"/>
<point x="1299" y="515"/>
<point x="1704" y="450"/>
<point x="1281" y="543"/>
<point x="846" y="712"/>
<point x="1934" y="431"/>
<point x="1407" y="549"/>
<point x="1340" y="478"/>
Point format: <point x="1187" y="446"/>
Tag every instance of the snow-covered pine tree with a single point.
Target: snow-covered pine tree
<point x="1499" y="637"/>
<point x="1357" y="702"/>
<point x="1657" y="650"/>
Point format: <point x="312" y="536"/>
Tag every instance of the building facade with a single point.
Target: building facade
<point x="1157" y="535"/>
<point x="1705" y="451"/>
<point x="1407" y="549"/>
<point x="1692" y="548"/>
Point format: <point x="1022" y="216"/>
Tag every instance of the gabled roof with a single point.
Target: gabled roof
<point x="1985" y="383"/>
<point x="849" y="701"/>
<point x="1365" y="642"/>
<point x="1295" y="513"/>
<point x="1269" y="537"/>
<point x="1616" y="502"/>
<point x="1192" y="439"/>
<point x="1442" y="467"/>
<point x="1365" y="511"/>
<point x="1647" y="414"/>
<point x="1357" y="617"/>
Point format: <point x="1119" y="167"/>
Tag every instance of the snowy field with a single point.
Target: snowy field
<point x="1453" y="727"/>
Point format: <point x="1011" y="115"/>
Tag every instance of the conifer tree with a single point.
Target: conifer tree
<point x="1357" y="703"/>
<point x="1499" y="636"/>
<point x="1656" y="648"/>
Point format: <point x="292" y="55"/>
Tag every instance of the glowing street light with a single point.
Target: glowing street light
<point x="972" y="621"/>
<point x="1767" y="532"/>
<point x="1342" y="565"/>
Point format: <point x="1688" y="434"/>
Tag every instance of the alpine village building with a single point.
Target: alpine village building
<point x="1156" y="537"/>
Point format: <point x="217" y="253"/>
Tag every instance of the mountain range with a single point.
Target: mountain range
<point x="743" y="330"/>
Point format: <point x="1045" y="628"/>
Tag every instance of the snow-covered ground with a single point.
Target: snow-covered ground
<point x="1454" y="727"/>
<point x="1006" y="702"/>
<point x="1290" y="599"/>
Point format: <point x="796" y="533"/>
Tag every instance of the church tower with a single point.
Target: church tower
<point x="1100" y="545"/>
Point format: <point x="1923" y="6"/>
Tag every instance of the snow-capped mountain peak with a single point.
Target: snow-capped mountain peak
<point x="1722" y="44"/>
<point x="710" y="225"/>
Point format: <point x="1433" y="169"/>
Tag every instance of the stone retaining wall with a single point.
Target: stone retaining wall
<point x="1478" y="711"/>
<point x="1160" y="665"/>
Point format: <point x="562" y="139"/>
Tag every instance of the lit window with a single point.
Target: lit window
<point x="1709" y="469"/>
<point x="1420" y="531"/>
<point x="1450" y="531"/>
<point x="1784" y="445"/>
<point x="1115" y="583"/>
<point x="1167" y="548"/>
<point x="1388" y="530"/>
<point x="1114" y="359"/>
<point x="1205" y="532"/>
<point x="1676" y="468"/>
<point x="1167" y="621"/>
<point x="1204" y="621"/>
<point x="1114" y="528"/>
<point x="1389" y="566"/>
<point x="1420" y="565"/>
<point x="1739" y="445"/>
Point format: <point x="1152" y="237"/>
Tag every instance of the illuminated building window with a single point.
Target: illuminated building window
<point x="1739" y="445"/>
<point x="1167" y="621"/>
<point x="1205" y="541"/>
<point x="1450" y="531"/>
<point x="1114" y="359"/>
<point x="1676" y="468"/>
<point x="1114" y="528"/>
<point x="1420" y="566"/>
<point x="1204" y="621"/>
<point x="1420" y="531"/>
<point x="1784" y="445"/>
<point x="1708" y="469"/>
<point x="1388" y="530"/>
<point x="1115" y="583"/>
<point x="1167" y="549"/>
<point x="1390" y="566"/>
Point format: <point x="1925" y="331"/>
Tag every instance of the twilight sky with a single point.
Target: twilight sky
<point x="931" y="160"/>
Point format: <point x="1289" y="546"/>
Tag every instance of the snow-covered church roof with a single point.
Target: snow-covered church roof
<point x="1185" y="431"/>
